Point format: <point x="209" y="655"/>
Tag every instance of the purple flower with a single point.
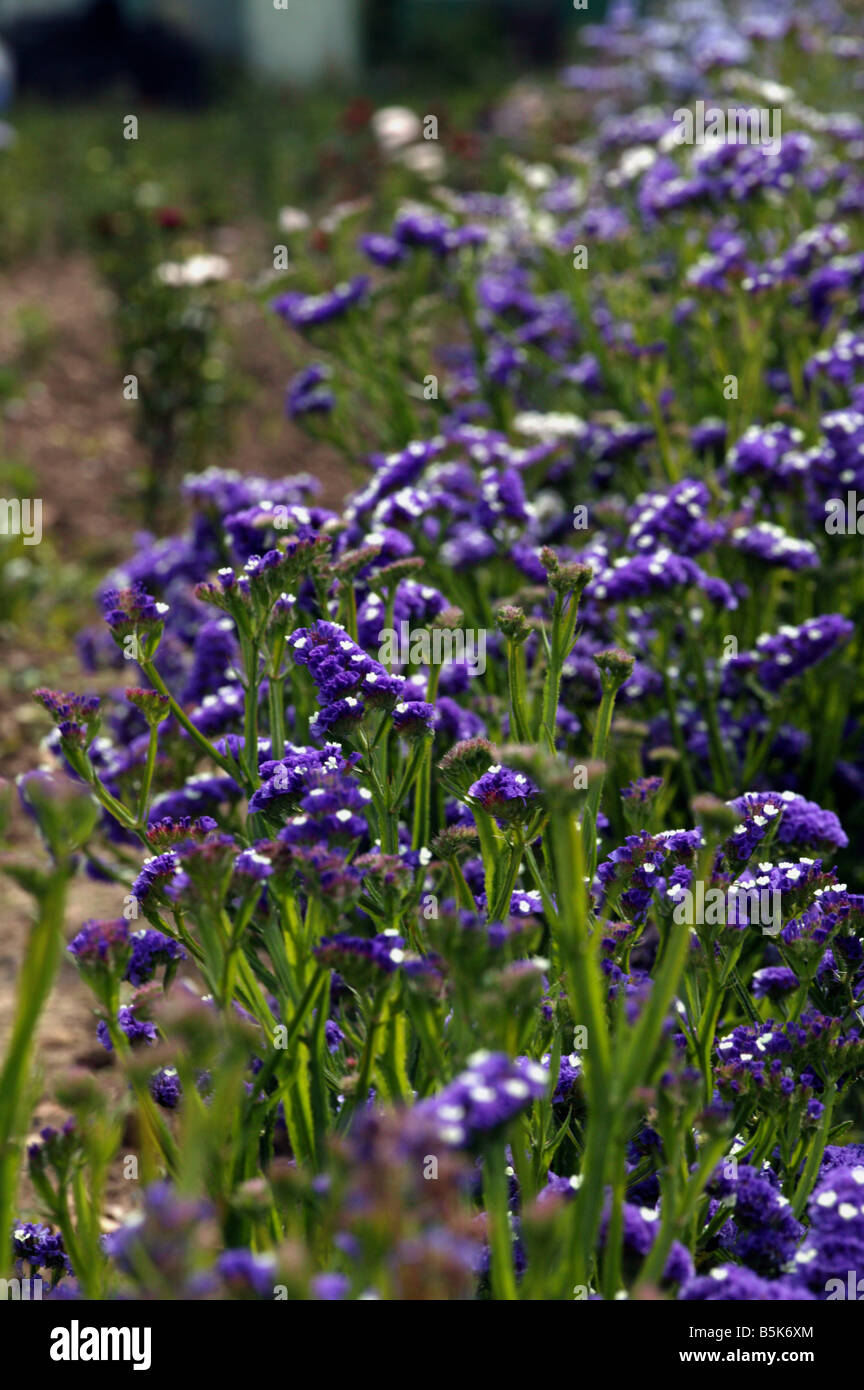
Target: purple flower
<point x="359" y="958"/>
<point x="786" y="653"/>
<point x="41" y="1247"/>
<point x="773" y="546"/>
<point x="307" y="394"/>
<point x="481" y="1100"/>
<point x="741" y="1285"/>
<point x="834" y="1244"/>
<point x="773" y="982"/>
<point x="245" y="1273"/>
<point x="160" y="873"/>
<point x="74" y="715"/>
<point x="339" y="717"/>
<point x="131" y="608"/>
<point x="413" y="718"/>
<point x="383" y="250"/>
<point x="764" y="1232"/>
<point x="642" y="789"/>
<point x="136" y="1029"/>
<point x="104" y="942"/>
<point x="506" y="794"/>
<point x="309" y="310"/>
<point x="330" y="1288"/>
<point x="150" y="949"/>
<point x="659" y="572"/>
<point x="251" y="864"/>
<point x="165" y="1088"/>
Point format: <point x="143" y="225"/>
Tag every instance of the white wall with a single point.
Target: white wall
<point x="303" y="42"/>
<point x="306" y="41"/>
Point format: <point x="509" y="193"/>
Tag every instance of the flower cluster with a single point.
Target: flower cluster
<point x="498" y="827"/>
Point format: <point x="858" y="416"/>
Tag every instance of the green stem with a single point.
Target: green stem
<point x="496" y="1191"/>
<point x="147" y="780"/>
<point x="183" y="719"/>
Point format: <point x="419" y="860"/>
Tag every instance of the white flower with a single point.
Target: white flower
<point x="293" y="220"/>
<point x="425" y="159"/>
<point x="395" y="126"/>
<point x="197" y="270"/>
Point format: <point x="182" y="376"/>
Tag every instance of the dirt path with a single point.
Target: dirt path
<point x="72" y="431"/>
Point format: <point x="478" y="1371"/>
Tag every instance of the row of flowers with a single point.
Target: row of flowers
<point x="537" y="977"/>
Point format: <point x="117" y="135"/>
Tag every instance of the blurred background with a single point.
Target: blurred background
<point x="140" y="133"/>
<point x="293" y="41"/>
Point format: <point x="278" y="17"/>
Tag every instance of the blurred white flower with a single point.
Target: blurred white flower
<point x="538" y="177"/>
<point x="197" y="270"/>
<point x="395" y="126"/>
<point x="633" y="163"/>
<point x="550" y="424"/>
<point x="293" y="220"/>
<point x="427" y="160"/>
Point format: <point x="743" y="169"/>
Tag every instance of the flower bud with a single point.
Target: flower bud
<point x="615" y="667"/>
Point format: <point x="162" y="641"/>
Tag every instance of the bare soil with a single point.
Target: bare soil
<point x="73" y="432"/>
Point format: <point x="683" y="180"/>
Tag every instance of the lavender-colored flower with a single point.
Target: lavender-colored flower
<point x="359" y="958"/>
<point x="160" y="874"/>
<point x="168" y="831"/>
<point x="246" y="1274"/>
<point x="309" y="310"/>
<point x="339" y="717"/>
<point x="137" y="1030"/>
<point x="160" y="1236"/>
<point x="676" y="519"/>
<point x="773" y="546"/>
<point x="150" y="949"/>
<point x="804" y="824"/>
<point x="506" y="794"/>
<point x="834" y="1244"/>
<point x="642" y="789"/>
<point x="643" y="576"/>
<point x="764" y="1233"/>
<point x="39" y="1246"/>
<point x="285" y="779"/>
<point x="307" y="393"/>
<point x="132" y="608"/>
<point x="413" y="718"/>
<point x="330" y="1288"/>
<point x="74" y="715"/>
<point x="105" y="942"/>
<point x="165" y="1088"/>
<point x="768" y="451"/>
<point x="781" y="655"/>
<point x="741" y="1285"/>
<point x="253" y="866"/>
<point x="481" y="1100"/>
<point x="383" y="250"/>
<point x="330" y="813"/>
<point x="773" y="982"/>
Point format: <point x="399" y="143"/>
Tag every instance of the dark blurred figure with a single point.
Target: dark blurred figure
<point x="531" y="33"/>
<point x="536" y="31"/>
<point x="100" y="47"/>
